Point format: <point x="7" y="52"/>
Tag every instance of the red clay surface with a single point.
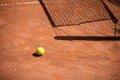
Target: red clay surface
<point x="24" y="28"/>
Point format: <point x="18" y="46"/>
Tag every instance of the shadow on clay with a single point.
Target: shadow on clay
<point x="35" y="55"/>
<point x="89" y="38"/>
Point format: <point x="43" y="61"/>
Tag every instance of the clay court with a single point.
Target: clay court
<point x="88" y="51"/>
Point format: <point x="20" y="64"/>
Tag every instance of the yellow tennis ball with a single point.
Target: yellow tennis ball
<point x="40" y="51"/>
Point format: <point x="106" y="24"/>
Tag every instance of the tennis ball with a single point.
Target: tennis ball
<point x="40" y="51"/>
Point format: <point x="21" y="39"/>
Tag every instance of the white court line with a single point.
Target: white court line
<point x="19" y="3"/>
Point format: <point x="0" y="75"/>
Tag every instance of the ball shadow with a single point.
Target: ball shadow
<point x="36" y="55"/>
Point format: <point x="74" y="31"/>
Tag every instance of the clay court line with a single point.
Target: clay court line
<point x="19" y="3"/>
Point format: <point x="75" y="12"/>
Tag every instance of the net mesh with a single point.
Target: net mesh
<point x="74" y="12"/>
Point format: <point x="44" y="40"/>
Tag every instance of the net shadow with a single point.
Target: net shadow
<point x="89" y="38"/>
<point x="76" y="12"/>
<point x="116" y="2"/>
